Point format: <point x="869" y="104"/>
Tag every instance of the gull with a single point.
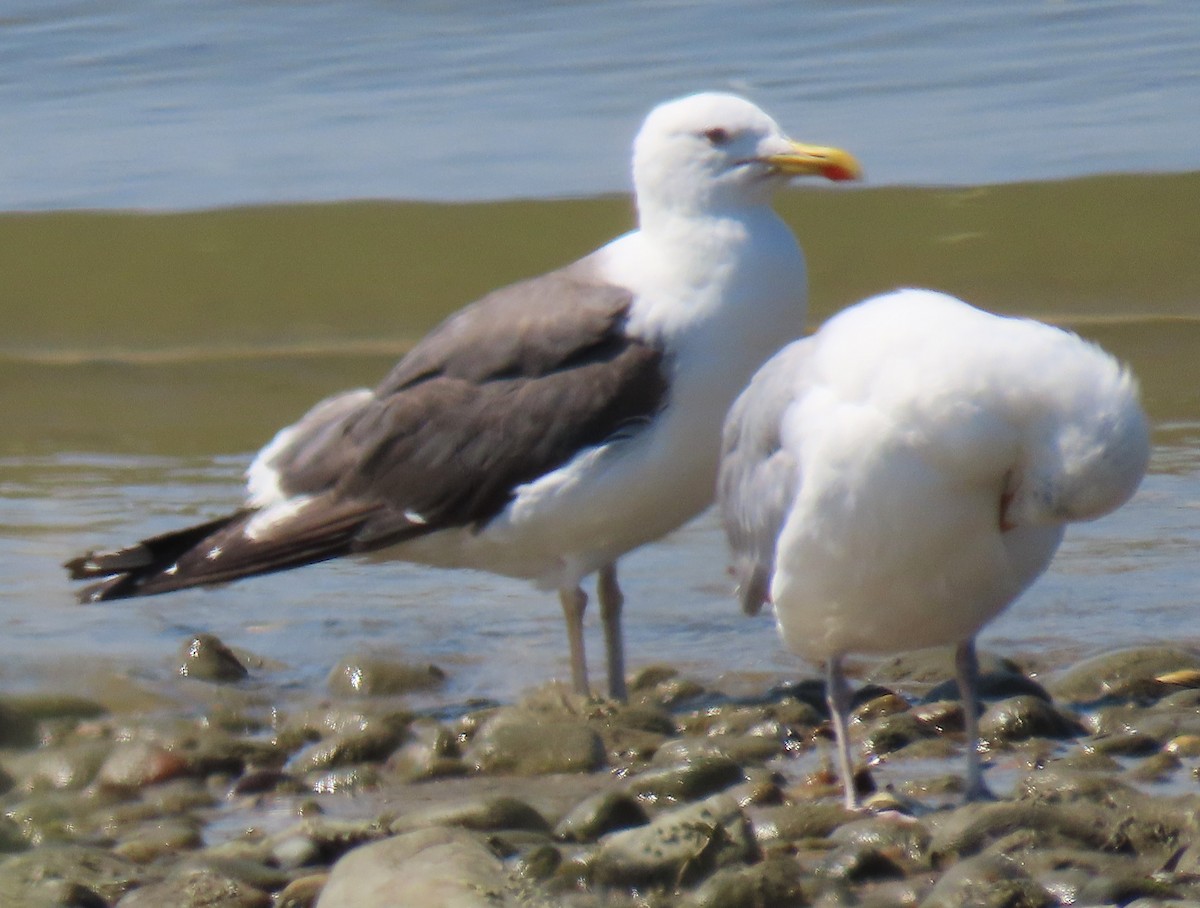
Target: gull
<point x="896" y="480"/>
<point x="553" y="425"/>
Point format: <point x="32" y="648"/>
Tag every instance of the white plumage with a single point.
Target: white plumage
<point x="898" y="479"/>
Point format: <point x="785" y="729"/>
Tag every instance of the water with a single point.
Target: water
<point x="170" y="103"/>
<point x="146" y="355"/>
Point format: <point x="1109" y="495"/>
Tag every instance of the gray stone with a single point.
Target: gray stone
<point x="449" y="868"/>
<point x="987" y="881"/>
<point x="24" y="876"/>
<point x="483" y="815"/>
<point x="1024" y="717"/>
<point x="197" y="888"/>
<point x="602" y="813"/>
<point x="205" y="658"/>
<point x="933" y="665"/>
<point x="703" y="775"/>
<point x="366" y="674"/>
<point x="536" y="748"/>
<point x="1128" y="673"/>
<point x="773" y="882"/>
<point x="678" y="848"/>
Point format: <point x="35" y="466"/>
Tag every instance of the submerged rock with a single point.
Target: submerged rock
<point x="205" y="657"/>
<point x="368" y="675"/>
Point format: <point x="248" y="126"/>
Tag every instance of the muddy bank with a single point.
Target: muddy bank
<point x="696" y="793"/>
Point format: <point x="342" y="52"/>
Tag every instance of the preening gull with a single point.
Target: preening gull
<point x="555" y="424"/>
<point x="896" y="480"/>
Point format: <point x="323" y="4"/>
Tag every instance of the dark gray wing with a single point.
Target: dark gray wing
<point x="499" y="394"/>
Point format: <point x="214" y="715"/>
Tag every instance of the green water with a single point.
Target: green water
<point x="203" y="332"/>
<point x="145" y="356"/>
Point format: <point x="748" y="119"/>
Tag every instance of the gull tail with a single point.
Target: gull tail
<point x="219" y="551"/>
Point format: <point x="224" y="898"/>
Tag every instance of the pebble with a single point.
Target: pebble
<point x="686" y="797"/>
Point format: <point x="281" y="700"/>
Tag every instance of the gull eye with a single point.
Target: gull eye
<point x="717" y="136"/>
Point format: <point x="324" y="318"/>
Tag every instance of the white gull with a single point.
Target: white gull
<point x="899" y="478"/>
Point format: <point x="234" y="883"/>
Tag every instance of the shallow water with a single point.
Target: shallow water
<point x="145" y="374"/>
<point x="145" y="356"/>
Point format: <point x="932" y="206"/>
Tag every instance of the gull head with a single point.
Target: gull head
<point x="1087" y="450"/>
<point x="711" y="152"/>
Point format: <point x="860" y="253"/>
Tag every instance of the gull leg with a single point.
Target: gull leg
<point x="611" y="601"/>
<point x="966" y="665"/>
<point x="837" y="694"/>
<point x="574" y="601"/>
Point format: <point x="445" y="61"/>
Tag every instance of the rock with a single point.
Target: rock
<point x="302" y="892"/>
<point x="1124" y="674"/>
<point x="900" y="837"/>
<point x="343" y="779"/>
<point x="858" y="862"/>
<point x="134" y="764"/>
<point x="679" y="848"/>
<point x="320" y="840"/>
<point x="367" y="675"/>
<point x="686" y="781"/>
<point x="535" y="748"/>
<point x="160" y="838"/>
<point x="69" y="767"/>
<point x="1184" y="746"/>
<point x="449" y="868"/>
<point x="987" y="881"/>
<point x="970" y="828"/>
<point x="196" y="888"/>
<point x="205" y="658"/>
<point x="347" y="748"/>
<point x="799" y="821"/>
<point x="993" y="685"/>
<point x="1125" y="744"/>
<point x="482" y="815"/>
<point x="23" y="877"/>
<point x="538" y="863"/>
<point x="775" y="881"/>
<point x="1024" y="717"/>
<point x="602" y="813"/>
<point x="882" y="706"/>
<point x="933" y="665"/>
<point x="22" y="717"/>
<point x="893" y="732"/>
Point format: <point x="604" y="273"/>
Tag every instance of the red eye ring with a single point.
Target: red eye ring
<point x="717" y="136"/>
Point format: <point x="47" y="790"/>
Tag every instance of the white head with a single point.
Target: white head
<point x="715" y="152"/>
<point x="1088" y="451"/>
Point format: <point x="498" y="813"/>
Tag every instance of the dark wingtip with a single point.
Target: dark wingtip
<point x="101" y="564"/>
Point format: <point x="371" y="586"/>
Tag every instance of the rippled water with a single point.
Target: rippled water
<point x="146" y="356"/>
<point x="170" y="103"/>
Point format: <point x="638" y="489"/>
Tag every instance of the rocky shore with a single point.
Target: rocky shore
<point x="696" y="793"/>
